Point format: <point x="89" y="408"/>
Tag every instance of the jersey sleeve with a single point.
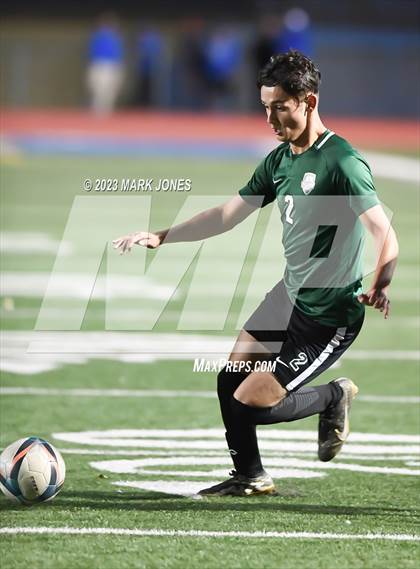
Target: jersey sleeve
<point x="260" y="191"/>
<point x="355" y="180"/>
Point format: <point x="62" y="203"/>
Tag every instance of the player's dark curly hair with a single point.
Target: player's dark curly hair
<point x="293" y="72"/>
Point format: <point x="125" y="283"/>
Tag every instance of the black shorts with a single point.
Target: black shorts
<point x="301" y="347"/>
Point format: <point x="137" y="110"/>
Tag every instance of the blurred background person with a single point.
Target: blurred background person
<point x="105" y="68"/>
<point x="189" y="74"/>
<point x="296" y="32"/>
<point x="266" y="44"/>
<point x="197" y="69"/>
<point x="268" y="40"/>
<point x="149" y="53"/>
<point x="222" y="52"/>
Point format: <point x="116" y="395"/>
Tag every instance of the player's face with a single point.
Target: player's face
<point x="286" y="115"/>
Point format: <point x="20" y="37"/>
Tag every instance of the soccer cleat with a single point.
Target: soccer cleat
<point x="240" y="485"/>
<point x="334" y="426"/>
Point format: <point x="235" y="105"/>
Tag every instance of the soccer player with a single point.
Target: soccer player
<point x="326" y="197"/>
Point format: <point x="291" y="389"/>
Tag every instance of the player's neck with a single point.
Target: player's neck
<point x="309" y="136"/>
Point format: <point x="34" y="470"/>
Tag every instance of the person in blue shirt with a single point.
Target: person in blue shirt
<point x="105" y="68"/>
<point x="149" y="55"/>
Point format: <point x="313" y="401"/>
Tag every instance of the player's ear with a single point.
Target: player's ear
<point x="310" y="101"/>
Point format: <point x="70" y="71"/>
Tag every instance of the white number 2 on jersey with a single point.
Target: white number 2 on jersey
<point x="289" y="200"/>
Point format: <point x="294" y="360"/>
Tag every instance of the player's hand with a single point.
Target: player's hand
<point x="378" y="298"/>
<point x="124" y="244"/>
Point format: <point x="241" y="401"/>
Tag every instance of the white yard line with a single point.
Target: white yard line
<point x="83" y="286"/>
<point x="172" y="316"/>
<point x="410" y="460"/>
<point x="105" y="392"/>
<point x="85" y="437"/>
<point x="30" y="352"/>
<point x="169" y="393"/>
<point x="202" y="533"/>
<point x="389" y="399"/>
<point x="29" y="243"/>
<point x="394" y="167"/>
<point x="279" y="467"/>
<point x="404" y="355"/>
<point x="171" y="345"/>
<point x="190" y="446"/>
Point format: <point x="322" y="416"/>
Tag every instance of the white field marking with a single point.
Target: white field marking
<point x="26" y="243"/>
<point x="170" y="393"/>
<point x="79" y="392"/>
<point x="9" y="150"/>
<point x="173" y="316"/>
<point x="394" y="167"/>
<point x="281" y="446"/>
<point x="221" y="473"/>
<point x="71" y="286"/>
<point x="28" y="364"/>
<point x="180" y="453"/>
<point x="100" y="438"/>
<point x="410" y="460"/>
<point x="137" y="532"/>
<point x="158" y="343"/>
<point x="170" y="315"/>
<point x="190" y="488"/>
<point x="78" y="285"/>
<point x="383" y="355"/>
<point x="265" y="445"/>
<point x="29" y="352"/>
<point x="141" y="466"/>
<point x="285" y="472"/>
<point x="389" y="399"/>
<point x="124" y="315"/>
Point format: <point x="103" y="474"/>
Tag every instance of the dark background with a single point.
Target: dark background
<point x="368" y="51"/>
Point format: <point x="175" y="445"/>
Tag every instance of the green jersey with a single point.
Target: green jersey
<point x="320" y="194"/>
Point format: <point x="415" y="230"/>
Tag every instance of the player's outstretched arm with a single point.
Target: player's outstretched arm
<point x="206" y="224"/>
<point x="377" y="223"/>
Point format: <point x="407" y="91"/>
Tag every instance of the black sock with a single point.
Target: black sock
<point x="227" y="384"/>
<point x="243" y="448"/>
<point x="241" y="435"/>
<point x="305" y="402"/>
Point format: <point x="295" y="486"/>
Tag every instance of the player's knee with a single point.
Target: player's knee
<point x="253" y="399"/>
<point x="260" y="390"/>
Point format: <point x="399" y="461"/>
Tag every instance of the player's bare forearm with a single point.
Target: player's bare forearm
<point x="202" y="226"/>
<point x="387" y="260"/>
<point x="387" y="250"/>
<point x="206" y="224"/>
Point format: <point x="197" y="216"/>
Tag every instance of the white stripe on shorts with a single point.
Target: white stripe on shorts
<point x="332" y="344"/>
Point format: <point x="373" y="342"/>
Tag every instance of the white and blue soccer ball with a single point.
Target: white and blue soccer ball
<point x="31" y="471"/>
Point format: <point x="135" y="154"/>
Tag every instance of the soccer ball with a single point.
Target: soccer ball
<point x="31" y="471"/>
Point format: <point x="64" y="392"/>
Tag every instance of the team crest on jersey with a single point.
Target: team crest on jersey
<point x="308" y="182"/>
